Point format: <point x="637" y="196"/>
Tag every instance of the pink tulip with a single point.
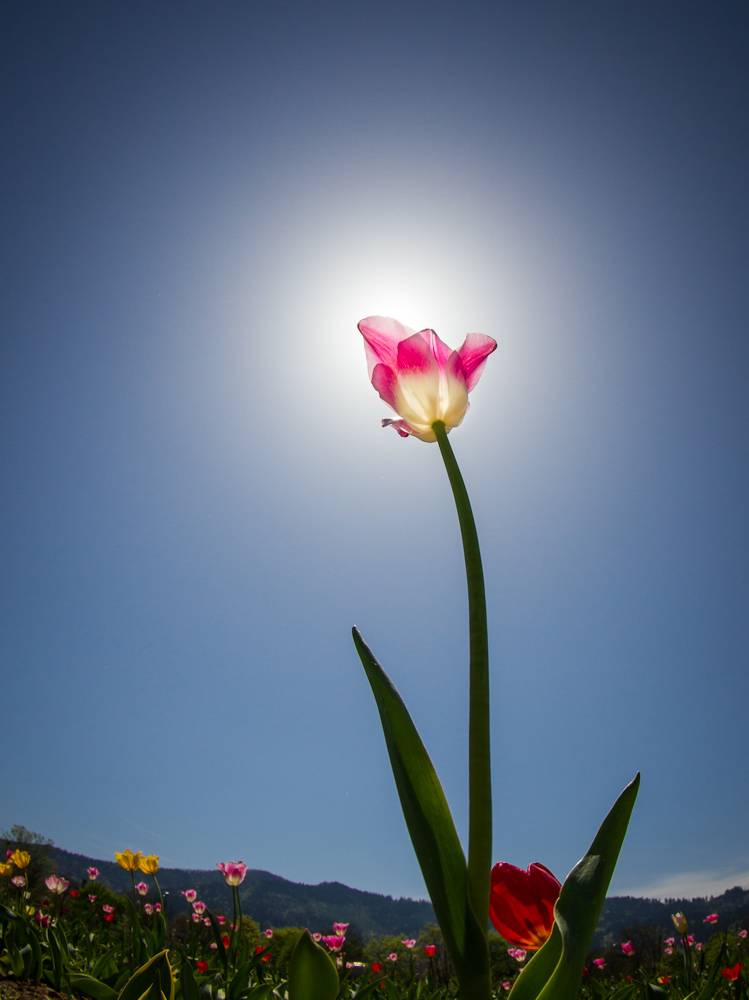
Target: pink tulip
<point x="690" y="938"/>
<point x="106" y="908"/>
<point x="190" y="895"/>
<point x="317" y="938"/>
<point x="340" y="928"/>
<point x="669" y="951"/>
<point x="628" y="948"/>
<point x="392" y="957"/>
<point x="408" y="944"/>
<point x="221" y="920"/>
<point x="698" y="946"/>
<point x="213" y="946"/>
<point x="420" y="377"/>
<point x="207" y="921"/>
<point x="19" y="880"/>
<point x="142" y="888"/>
<point x="93" y="874"/>
<point x="157" y="907"/>
<point x="506" y="987"/>
<point x="519" y="954"/>
<point x="233" y="871"/>
<point x="195" y="918"/>
<point x="199" y="907"/>
<point x="92" y="899"/>
<point x="599" y="962"/>
<point x="148" y="908"/>
<point x="670" y="942"/>
<point x="269" y="933"/>
<point x="711" y="918"/>
<point x="56" y="884"/>
<point x="742" y="934"/>
<point x="42" y="919"/>
<point x="334" y="942"/>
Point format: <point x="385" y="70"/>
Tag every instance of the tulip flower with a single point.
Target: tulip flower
<point x="421" y="378"/>
<point x="742" y="934"/>
<point x="506" y="987"/>
<point x="669" y="951"/>
<point x="199" y="907"/>
<point x="269" y="933"/>
<point x="392" y="957"/>
<point x="521" y="904"/>
<point x="148" y="908"/>
<point x="19" y="880"/>
<point x="519" y="954"/>
<point x="376" y="967"/>
<point x="106" y="908"/>
<point x="213" y="946"/>
<point x="599" y="962"/>
<point x="109" y="917"/>
<point x="190" y="895"/>
<point x="670" y="942"/>
<point x="56" y="884"/>
<point x="142" y="888"/>
<point x="127" y="860"/>
<point x="711" y="918"/>
<point x="340" y="928"/>
<point x="21" y="859"/>
<point x="207" y="921"/>
<point x="195" y="918"/>
<point x="93" y="874"/>
<point x="429" y="950"/>
<point x="201" y="966"/>
<point x="150" y="865"/>
<point x="6" y="869"/>
<point x="233" y="871"/>
<point x="628" y="948"/>
<point x="334" y="942"/>
<point x="408" y="944"/>
<point x="157" y="907"/>
<point x="732" y="974"/>
<point x="690" y="938"/>
<point x="317" y="938"/>
<point x="680" y="922"/>
<point x="92" y="899"/>
<point x="225" y="939"/>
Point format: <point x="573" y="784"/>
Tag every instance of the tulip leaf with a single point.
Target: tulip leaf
<point x="555" y="971"/>
<point x="154" y="978"/>
<point x="91" y="987"/>
<point x="312" y="975"/>
<point x="432" y="830"/>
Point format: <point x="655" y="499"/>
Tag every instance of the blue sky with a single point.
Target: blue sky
<point x="199" y="202"/>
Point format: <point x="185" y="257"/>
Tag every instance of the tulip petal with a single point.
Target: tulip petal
<point x="384" y="381"/>
<point x="475" y="350"/>
<point x="437" y="347"/>
<point x="399" y="425"/>
<point x="381" y="338"/>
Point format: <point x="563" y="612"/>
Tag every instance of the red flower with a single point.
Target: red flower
<point x="732" y="974"/>
<point x="429" y="949"/>
<point x="226" y="939"/>
<point x="376" y="967"/>
<point x="202" y="966"/>
<point x="521" y="904"/>
<point x="266" y="958"/>
<point x="109" y="917"/>
<point x="73" y="893"/>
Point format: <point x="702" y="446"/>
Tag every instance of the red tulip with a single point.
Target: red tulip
<point x="429" y="949"/>
<point x="202" y="966"/>
<point x="521" y="904"/>
<point x="732" y="974"/>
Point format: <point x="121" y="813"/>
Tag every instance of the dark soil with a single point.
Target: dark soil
<point x="25" y="989"/>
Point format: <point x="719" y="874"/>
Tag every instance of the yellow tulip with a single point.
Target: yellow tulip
<point x="21" y="859"/>
<point x="127" y="860"/>
<point x="150" y="865"/>
<point x="6" y="870"/>
<point x="680" y="922"/>
<point x="30" y="911"/>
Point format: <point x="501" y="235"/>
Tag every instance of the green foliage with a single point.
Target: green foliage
<point x="312" y="975"/>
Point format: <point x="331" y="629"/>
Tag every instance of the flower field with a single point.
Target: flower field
<point x="88" y="941"/>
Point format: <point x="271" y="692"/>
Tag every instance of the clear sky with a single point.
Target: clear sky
<point x="199" y="202"/>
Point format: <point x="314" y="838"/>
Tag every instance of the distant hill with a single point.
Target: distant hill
<point x="270" y="900"/>
<point x="276" y="902"/>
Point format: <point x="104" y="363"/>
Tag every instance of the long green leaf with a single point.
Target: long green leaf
<point x="156" y="973"/>
<point x="555" y="972"/>
<point x="312" y="975"/>
<point x="91" y="987"/>
<point x="433" y="834"/>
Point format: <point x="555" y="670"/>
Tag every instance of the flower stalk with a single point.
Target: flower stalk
<point x="479" y="753"/>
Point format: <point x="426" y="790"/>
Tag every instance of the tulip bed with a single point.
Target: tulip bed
<point x="93" y="943"/>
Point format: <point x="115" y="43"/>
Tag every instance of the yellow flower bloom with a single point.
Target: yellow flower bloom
<point x="30" y="911"/>
<point x="680" y="922"/>
<point x="150" y="865"/>
<point x="21" y="859"/>
<point x="127" y="860"/>
<point x="6" y="870"/>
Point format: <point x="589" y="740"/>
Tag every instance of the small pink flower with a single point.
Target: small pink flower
<point x="106" y="908"/>
<point x="207" y="921"/>
<point x="506" y="986"/>
<point x="269" y="932"/>
<point x="628" y="948"/>
<point x="221" y="920"/>
<point x="690" y="938"/>
<point x="233" y="871"/>
<point x="148" y="908"/>
<point x="711" y="918"/>
<point x="92" y="899"/>
<point x="340" y="929"/>
<point x="698" y="946"/>
<point x="408" y="944"/>
<point x="142" y="888"/>
<point x="9" y="853"/>
<point x="56" y="884"/>
<point x="199" y="907"/>
<point x="429" y="950"/>
<point x="519" y="954"/>
<point x="742" y="934"/>
<point x="157" y="907"/>
<point x="93" y="874"/>
<point x="669" y="951"/>
<point x="43" y="919"/>
<point x="195" y="918"/>
<point x="420" y="377"/>
<point x="670" y="942"/>
<point x="317" y="938"/>
<point x="213" y="946"/>
<point x="190" y="895"/>
<point x="392" y="957"/>
<point x="19" y="880"/>
<point x="599" y="962"/>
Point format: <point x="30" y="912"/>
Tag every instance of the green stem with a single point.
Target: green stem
<point x="479" y="756"/>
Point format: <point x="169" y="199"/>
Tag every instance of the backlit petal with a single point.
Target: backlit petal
<point x="381" y="338"/>
<point x="475" y="350"/>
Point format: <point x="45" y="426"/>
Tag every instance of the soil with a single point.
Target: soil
<point x="25" y="989"/>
